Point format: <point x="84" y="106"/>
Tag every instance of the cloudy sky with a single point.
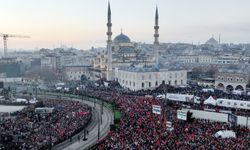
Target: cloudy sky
<point x="82" y="23"/>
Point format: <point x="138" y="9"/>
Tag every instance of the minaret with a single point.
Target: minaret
<point x="219" y="38"/>
<point x="156" y="36"/>
<point x="109" y="41"/>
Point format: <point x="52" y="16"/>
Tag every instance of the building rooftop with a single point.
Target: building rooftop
<point x="156" y="68"/>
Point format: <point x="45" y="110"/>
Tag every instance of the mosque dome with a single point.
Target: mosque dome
<point x="212" y="41"/>
<point x="122" y="39"/>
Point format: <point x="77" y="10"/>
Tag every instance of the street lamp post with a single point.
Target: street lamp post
<point x="94" y="102"/>
<point x="50" y="138"/>
<point x="114" y="113"/>
<point x="102" y="106"/>
<point x="101" y="113"/>
<point x="247" y="122"/>
<point x="98" y="126"/>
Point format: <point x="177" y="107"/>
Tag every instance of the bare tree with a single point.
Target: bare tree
<point x="45" y="74"/>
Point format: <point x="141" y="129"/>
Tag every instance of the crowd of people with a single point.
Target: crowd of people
<point x="30" y="129"/>
<point x="139" y="127"/>
<point x="142" y="129"/>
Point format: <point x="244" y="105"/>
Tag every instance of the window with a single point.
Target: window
<point x="175" y="82"/>
<point x="129" y="83"/>
<point x="149" y="76"/>
<point x="163" y="81"/>
<point x="181" y="81"/>
<point x="169" y="82"/>
<point x="156" y="83"/>
<point x="142" y="85"/>
<point x="149" y="84"/>
<point x="134" y="84"/>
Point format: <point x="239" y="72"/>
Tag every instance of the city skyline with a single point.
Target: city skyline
<point x="83" y="24"/>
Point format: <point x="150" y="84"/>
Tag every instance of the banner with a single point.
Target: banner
<point x="156" y="109"/>
<point x="232" y="118"/>
<point x="182" y="115"/>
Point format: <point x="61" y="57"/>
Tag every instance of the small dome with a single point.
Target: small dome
<point x="122" y="39"/>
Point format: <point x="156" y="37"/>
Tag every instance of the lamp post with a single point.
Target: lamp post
<point x="67" y="127"/>
<point x="247" y="122"/>
<point x="102" y="106"/>
<point x="114" y="113"/>
<point x="98" y="126"/>
<point x="165" y="92"/>
<point x="94" y="103"/>
<point x="50" y="138"/>
<point x="101" y="111"/>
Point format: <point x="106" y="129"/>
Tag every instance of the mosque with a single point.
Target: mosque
<point x="123" y="62"/>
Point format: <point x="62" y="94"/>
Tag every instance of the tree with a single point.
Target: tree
<point x="45" y="74"/>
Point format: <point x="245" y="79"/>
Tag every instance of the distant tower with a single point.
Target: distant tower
<point x="156" y="36"/>
<point x="219" y="38"/>
<point x="109" y="41"/>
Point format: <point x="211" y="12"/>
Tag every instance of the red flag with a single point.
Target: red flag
<point x="83" y="113"/>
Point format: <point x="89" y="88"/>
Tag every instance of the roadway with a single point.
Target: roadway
<point x="92" y="128"/>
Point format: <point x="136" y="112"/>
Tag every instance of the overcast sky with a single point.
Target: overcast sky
<point x="82" y="23"/>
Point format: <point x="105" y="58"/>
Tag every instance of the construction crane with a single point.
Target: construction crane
<point x="5" y="38"/>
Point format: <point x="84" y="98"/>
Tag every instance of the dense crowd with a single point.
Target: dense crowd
<point x="32" y="130"/>
<point x="141" y="129"/>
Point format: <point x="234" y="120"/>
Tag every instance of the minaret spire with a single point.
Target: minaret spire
<point x="156" y="36"/>
<point x="109" y="13"/>
<point x="109" y="41"/>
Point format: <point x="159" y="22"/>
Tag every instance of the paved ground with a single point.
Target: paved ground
<point x="92" y="128"/>
<point x="8" y="109"/>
